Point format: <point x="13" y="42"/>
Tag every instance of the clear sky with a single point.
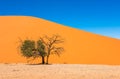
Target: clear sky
<point x="96" y="16"/>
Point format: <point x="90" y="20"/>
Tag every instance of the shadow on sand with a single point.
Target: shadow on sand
<point x="38" y="64"/>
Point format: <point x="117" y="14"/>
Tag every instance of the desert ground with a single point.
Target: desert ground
<point x="59" y="71"/>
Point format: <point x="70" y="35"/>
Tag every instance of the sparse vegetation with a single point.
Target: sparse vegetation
<point x="43" y="48"/>
<point x="52" y="45"/>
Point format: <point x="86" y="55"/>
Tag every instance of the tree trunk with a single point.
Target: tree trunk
<point x="43" y="60"/>
<point x="47" y="61"/>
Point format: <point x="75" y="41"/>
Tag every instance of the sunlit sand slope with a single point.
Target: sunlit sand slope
<point x="80" y="47"/>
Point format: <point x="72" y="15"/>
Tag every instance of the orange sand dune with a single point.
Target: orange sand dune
<point x="80" y="47"/>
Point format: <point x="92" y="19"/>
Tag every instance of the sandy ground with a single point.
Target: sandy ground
<point x="58" y="71"/>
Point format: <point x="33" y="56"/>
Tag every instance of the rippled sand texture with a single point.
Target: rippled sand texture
<point x="58" y="71"/>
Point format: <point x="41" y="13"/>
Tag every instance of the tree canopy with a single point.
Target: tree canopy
<point x="42" y="48"/>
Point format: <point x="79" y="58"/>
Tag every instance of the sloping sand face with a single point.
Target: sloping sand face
<point x="58" y="71"/>
<point x="80" y="47"/>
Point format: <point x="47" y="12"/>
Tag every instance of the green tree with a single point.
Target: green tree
<point x="41" y="50"/>
<point x="30" y="50"/>
<point x="27" y="48"/>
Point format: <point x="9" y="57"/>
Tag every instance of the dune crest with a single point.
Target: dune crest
<point x="80" y="47"/>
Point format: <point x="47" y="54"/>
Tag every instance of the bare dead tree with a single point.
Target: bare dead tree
<point x="52" y="45"/>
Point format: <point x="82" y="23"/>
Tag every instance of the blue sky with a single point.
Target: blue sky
<point x="96" y="16"/>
